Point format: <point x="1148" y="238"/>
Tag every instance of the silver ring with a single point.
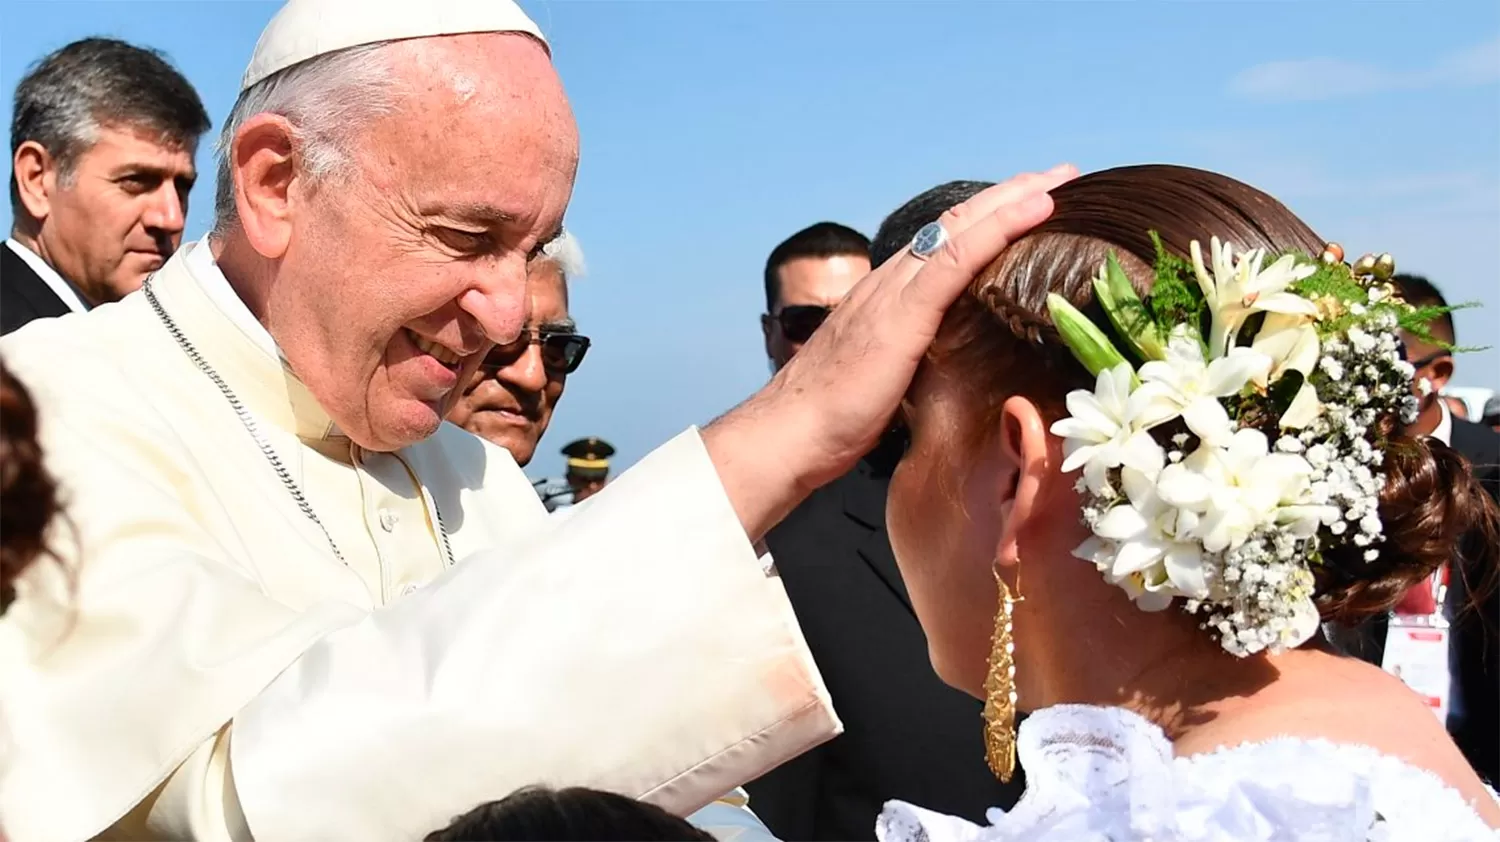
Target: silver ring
<point x="928" y="240"/>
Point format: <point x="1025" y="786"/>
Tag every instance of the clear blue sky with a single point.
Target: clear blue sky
<point x="711" y="130"/>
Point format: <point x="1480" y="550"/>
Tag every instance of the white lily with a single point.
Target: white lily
<point x="1291" y="343"/>
<point x="1153" y="538"/>
<point x="1237" y="288"/>
<point x="1151" y="591"/>
<point x="1184" y="384"/>
<point x="1103" y="429"/>
<point x="1250" y="487"/>
<point x="1148" y="594"/>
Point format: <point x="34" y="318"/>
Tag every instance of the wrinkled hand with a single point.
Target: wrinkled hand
<point x="831" y="403"/>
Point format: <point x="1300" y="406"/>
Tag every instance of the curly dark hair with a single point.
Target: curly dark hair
<point x="28" y="496"/>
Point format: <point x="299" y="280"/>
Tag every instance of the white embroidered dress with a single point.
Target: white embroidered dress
<point x="1097" y="774"/>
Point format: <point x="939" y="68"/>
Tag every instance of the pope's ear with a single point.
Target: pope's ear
<point x="264" y="166"/>
<point x="1024" y="448"/>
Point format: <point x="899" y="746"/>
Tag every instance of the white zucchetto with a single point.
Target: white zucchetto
<point x="305" y="29"/>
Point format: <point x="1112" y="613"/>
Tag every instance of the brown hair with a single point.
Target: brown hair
<point x="1001" y="338"/>
<point x="28" y="497"/>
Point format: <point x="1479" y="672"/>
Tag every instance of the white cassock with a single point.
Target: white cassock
<point x="214" y="671"/>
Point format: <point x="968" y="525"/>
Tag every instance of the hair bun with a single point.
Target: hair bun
<point x="1433" y="511"/>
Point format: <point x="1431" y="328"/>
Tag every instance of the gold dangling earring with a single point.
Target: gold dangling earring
<point x="1000" y="690"/>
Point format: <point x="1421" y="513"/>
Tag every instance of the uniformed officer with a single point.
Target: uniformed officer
<point x="588" y="471"/>
<point x="588" y="466"/>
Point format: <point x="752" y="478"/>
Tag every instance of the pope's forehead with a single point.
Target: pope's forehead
<point x="507" y="66"/>
<point x="465" y="96"/>
<point x="480" y="122"/>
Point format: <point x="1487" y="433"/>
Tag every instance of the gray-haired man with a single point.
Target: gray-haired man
<point x="102" y="141"/>
<point x="509" y="399"/>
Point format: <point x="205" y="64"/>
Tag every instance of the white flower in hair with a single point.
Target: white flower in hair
<point x="1103" y="427"/>
<point x="1191" y="387"/>
<point x="1234" y="526"/>
<point x="1154" y="537"/>
<point x="1291" y="342"/>
<point x="1149" y="590"/>
<point x="1249" y="488"/>
<point x="1238" y="288"/>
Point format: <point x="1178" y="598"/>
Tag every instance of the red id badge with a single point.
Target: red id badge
<point x="1416" y="651"/>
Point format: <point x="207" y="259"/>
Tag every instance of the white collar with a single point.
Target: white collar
<point x="200" y="260"/>
<point x="60" y="286"/>
<point x="211" y="280"/>
<point x="1444" y="430"/>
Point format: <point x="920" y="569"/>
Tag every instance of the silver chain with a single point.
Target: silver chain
<point x="266" y="450"/>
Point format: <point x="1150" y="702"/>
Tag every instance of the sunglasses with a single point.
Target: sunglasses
<point x="799" y="321"/>
<point x="1428" y="360"/>
<point x="561" y="352"/>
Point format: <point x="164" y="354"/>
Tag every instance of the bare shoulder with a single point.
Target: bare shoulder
<point x="1344" y="701"/>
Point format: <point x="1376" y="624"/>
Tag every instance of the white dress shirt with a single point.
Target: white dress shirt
<point x="1443" y="432"/>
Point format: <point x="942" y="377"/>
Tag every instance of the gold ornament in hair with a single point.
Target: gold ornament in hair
<point x="1000" y="689"/>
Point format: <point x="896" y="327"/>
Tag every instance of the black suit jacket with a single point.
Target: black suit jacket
<point x="907" y="735"/>
<point x="1475" y="642"/>
<point x="23" y="294"/>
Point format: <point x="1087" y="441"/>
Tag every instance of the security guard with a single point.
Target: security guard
<point x="588" y="471"/>
<point x="588" y="466"/>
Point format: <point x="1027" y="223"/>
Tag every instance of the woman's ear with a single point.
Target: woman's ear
<point x="1024" y="447"/>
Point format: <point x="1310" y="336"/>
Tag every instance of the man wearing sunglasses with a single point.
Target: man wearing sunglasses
<point x="835" y="559"/>
<point x="510" y="398"/>
<point x="806" y="277"/>
<point x="1473" y="647"/>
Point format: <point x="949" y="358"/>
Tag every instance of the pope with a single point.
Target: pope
<point x="292" y="603"/>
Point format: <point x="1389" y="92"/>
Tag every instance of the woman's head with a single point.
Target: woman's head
<point x="982" y="486"/>
<point x="28" y="499"/>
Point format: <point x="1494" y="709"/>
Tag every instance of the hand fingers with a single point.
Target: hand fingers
<point x="956" y="220"/>
<point x="948" y="272"/>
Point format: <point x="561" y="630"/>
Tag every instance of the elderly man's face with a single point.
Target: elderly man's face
<point x="511" y="402"/>
<point x="396" y="281"/>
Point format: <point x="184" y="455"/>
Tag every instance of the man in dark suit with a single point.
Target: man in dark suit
<point x="24" y="296"/>
<point x="1474" y="604"/>
<point x="102" y="143"/>
<point x="907" y="735"/>
<point x="1470" y="606"/>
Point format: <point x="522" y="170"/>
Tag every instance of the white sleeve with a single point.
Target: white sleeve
<point x="638" y="647"/>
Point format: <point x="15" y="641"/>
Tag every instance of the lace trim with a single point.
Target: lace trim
<point x="1096" y="774"/>
<point x="1424" y="795"/>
